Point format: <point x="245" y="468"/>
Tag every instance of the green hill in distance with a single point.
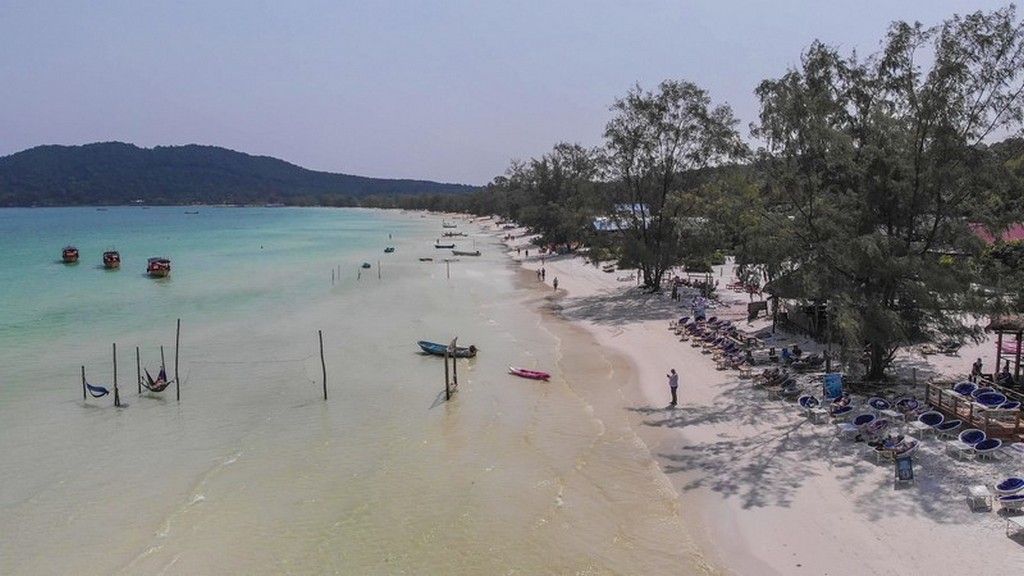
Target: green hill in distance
<point x="114" y="173"/>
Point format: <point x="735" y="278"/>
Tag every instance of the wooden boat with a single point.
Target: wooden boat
<point x="366" y="264"/>
<point x="446" y="224"/>
<point x="69" y="255"/>
<point x="389" y="249"/>
<point x="439" y="349"/>
<point x="158" y="267"/>
<point x="426" y="259"/>
<point x="442" y="246"/>
<point x="111" y="259"/>
<point x="527" y="373"/>
<point x="452" y="234"/>
<point x="466" y="252"/>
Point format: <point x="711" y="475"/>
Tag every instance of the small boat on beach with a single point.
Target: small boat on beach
<point x="439" y="349"/>
<point x="527" y="373"/>
<point x="446" y="224"/>
<point x="452" y="234"/>
<point x="69" y="255"/>
<point x="158" y="267"/>
<point x="443" y="246"/>
<point x="389" y="249"/>
<point x="466" y="252"/>
<point x="426" y="259"/>
<point x="111" y="259"/>
<point x="366" y="264"/>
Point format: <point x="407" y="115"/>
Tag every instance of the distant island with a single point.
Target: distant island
<point x="116" y="173"/>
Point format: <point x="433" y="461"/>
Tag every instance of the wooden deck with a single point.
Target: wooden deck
<point x="1006" y="425"/>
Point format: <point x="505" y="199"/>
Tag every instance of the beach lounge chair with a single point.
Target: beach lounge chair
<point x="926" y="423"/>
<point x="1011" y="502"/>
<point x="1010" y="405"/>
<point x="987" y="448"/>
<point x="972" y="436"/>
<point x="990" y="399"/>
<point x="965" y="388"/>
<point x="808" y="403"/>
<point x="983" y="390"/>
<point x="862" y="420"/>
<point x="879" y="404"/>
<point x="875" y="428"/>
<point x="1011" y="485"/>
<point x="947" y="429"/>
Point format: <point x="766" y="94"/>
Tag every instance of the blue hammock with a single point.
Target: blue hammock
<point x="159" y="384"/>
<point x="96" y="391"/>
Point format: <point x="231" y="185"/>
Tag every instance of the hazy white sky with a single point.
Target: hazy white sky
<point x="450" y="91"/>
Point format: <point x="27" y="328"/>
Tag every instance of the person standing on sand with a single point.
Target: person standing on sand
<point x="976" y="370"/>
<point x="673" y="384"/>
<point x="555" y="282"/>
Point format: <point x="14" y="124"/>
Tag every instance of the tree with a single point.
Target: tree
<point x="655" y="147"/>
<point x="873" y="168"/>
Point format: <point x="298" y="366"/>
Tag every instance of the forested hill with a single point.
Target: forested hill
<point x="119" y="173"/>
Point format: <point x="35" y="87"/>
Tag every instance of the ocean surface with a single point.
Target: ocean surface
<point x="251" y="471"/>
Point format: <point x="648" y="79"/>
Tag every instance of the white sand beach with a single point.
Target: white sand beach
<point x="774" y="492"/>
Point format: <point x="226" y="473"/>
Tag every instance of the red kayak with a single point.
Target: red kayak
<point x="527" y="373"/>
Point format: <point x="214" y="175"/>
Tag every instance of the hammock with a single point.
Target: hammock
<point x="159" y="384"/>
<point x="97" y="391"/>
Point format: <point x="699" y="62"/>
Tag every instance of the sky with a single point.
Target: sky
<point x="445" y="90"/>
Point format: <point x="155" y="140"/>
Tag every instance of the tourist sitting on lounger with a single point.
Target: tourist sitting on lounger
<point x="787" y="356"/>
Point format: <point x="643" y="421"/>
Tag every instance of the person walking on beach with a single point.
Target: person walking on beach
<point x="555" y="282"/>
<point x="673" y="384"/>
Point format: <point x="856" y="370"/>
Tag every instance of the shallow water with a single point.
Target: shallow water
<point x="252" y="471"/>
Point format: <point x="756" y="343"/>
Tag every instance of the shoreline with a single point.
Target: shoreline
<point x="762" y="489"/>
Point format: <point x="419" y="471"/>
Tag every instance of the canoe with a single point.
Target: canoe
<point x="527" y="373"/>
<point x="439" y="349"/>
<point x="443" y="246"/>
<point x="466" y="252"/>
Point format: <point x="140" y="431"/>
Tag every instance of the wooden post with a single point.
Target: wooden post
<point x="138" y="369"/>
<point x="332" y="276"/>
<point x="83" y="384"/>
<point x="177" y="347"/>
<point x="162" y="363"/>
<point x="447" y="269"/>
<point x="117" y="395"/>
<point x="323" y="364"/>
<point x="378" y="269"/>
<point x="455" y="372"/>
<point x="447" y="390"/>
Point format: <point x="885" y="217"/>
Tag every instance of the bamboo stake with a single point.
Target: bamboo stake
<point x="323" y="364"/>
<point x="83" y="384"/>
<point x="117" y="395"/>
<point x="378" y="269"/>
<point x="138" y="369"/>
<point x="455" y="372"/>
<point x="447" y="390"/>
<point x="177" y="348"/>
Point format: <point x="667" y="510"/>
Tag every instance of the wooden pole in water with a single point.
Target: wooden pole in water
<point x="162" y="363"/>
<point x="455" y="371"/>
<point x="117" y="395"/>
<point x="177" y="347"/>
<point x="83" y="384"/>
<point x="323" y="364"/>
<point x="332" y="276"/>
<point x="447" y="269"/>
<point x="447" y="390"/>
<point x="378" y="269"/>
<point x="138" y="369"/>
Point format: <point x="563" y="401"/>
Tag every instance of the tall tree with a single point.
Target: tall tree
<point x="656" y="146"/>
<point x="873" y="166"/>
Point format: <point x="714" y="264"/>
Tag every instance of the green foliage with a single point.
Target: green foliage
<point x="872" y="168"/>
<point x="657" y="145"/>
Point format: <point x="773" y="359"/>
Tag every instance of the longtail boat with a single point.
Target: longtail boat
<point x="69" y="255"/>
<point x="158" y="267"/>
<point x="111" y="259"/>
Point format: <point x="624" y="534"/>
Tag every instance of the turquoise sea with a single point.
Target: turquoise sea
<point x="252" y="472"/>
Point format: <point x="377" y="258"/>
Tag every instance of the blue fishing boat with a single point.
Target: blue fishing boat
<point x="439" y="349"/>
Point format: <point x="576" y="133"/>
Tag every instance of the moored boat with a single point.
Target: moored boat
<point x="466" y="252"/>
<point x="69" y="255"/>
<point x="440" y="246"/>
<point x="111" y="259"/>
<point x="158" y="267"/>
<point x="527" y="373"/>
<point x="439" y="349"/>
<point x="389" y="249"/>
